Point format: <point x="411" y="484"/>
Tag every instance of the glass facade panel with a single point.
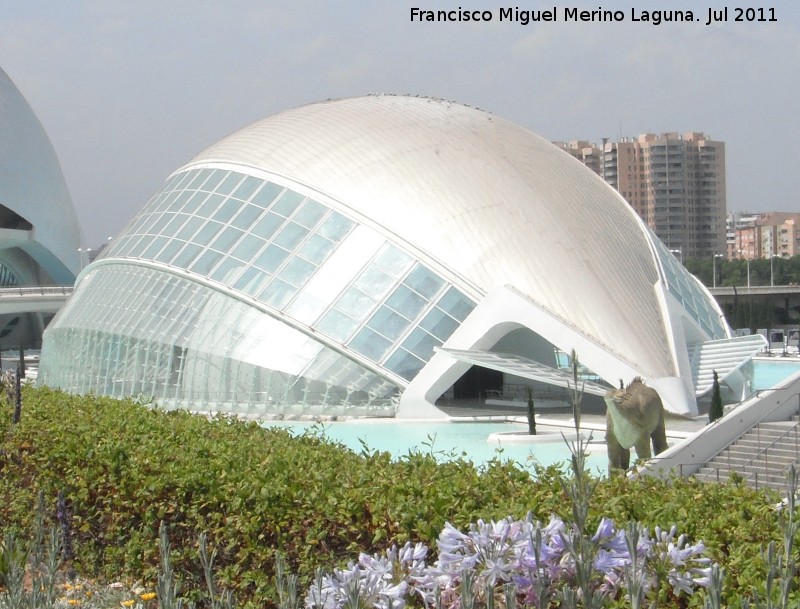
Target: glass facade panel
<point x="374" y="281"/>
<point x="205" y="262"/>
<point x="421" y="344"/>
<point x="247" y="188"/>
<point x="277" y="293"/>
<point x="185" y="258"/>
<point x="316" y="249"/>
<point x="226" y="239"/>
<point x="337" y="325"/>
<point x="404" y="364"/>
<point x="271" y="258"/>
<point x="208" y="232"/>
<point x="267" y="226"/>
<point x="291" y="236"/>
<point x="217" y="175"/>
<point x="310" y="214"/>
<point x="393" y="261"/>
<point x="198" y="179"/>
<point x="287" y="203"/>
<point x="424" y="282"/>
<point x="175" y="224"/>
<point x="228" y="271"/>
<point x="406" y="302"/>
<point x="229" y="183"/>
<point x="141" y="246"/>
<point x="456" y="304"/>
<point x="267" y="194"/>
<point x="248" y="247"/>
<point x="193" y="203"/>
<point x="188" y="230"/>
<point x="438" y="323"/>
<point x="252" y="281"/>
<point x="370" y="344"/>
<point x="227" y="210"/>
<point x="297" y="271"/>
<point x="336" y="227"/>
<point x="169" y="252"/>
<point x="306" y="308"/>
<point x="187" y="346"/>
<point x="247" y="216"/>
<point x="388" y="323"/>
<point x="210" y="205"/>
<point x="156" y="245"/>
<point x="689" y="294"/>
<point x="355" y="303"/>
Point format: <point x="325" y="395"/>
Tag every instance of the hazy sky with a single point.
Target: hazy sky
<point x="129" y="91"/>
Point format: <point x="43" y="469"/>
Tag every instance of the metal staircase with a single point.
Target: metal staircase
<point x="761" y="456"/>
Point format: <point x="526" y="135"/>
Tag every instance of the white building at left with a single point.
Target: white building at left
<point x="39" y="232"/>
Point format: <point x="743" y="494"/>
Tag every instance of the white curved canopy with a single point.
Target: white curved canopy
<point x="32" y="186"/>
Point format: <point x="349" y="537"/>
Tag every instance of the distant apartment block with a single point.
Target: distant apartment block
<point x="763" y="235"/>
<point x="675" y="182"/>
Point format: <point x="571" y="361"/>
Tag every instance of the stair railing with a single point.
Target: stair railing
<point x="764" y="451"/>
<point x="756" y="424"/>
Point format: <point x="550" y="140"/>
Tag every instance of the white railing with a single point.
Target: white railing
<point x="688" y="456"/>
<point x="38" y="290"/>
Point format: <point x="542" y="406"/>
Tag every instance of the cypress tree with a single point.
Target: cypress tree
<point x="715" y="412"/>
<point x="531" y="414"/>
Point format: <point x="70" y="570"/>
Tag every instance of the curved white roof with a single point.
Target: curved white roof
<point x="490" y="202"/>
<point x="32" y="185"/>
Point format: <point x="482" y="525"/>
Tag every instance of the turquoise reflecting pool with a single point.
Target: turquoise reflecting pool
<point x="770" y="372"/>
<point x="446" y="440"/>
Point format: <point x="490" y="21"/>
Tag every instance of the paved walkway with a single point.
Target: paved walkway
<point x="559" y="414"/>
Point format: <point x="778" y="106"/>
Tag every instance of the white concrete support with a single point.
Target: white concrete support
<point x="503" y="310"/>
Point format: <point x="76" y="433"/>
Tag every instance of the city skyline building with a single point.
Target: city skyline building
<point x="675" y="182"/>
<point x="763" y="235"/>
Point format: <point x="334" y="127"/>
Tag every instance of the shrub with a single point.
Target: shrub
<point x="123" y="468"/>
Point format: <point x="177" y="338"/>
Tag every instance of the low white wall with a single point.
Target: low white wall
<point x="687" y="457"/>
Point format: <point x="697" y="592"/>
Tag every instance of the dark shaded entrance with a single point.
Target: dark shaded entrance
<point x="476" y="381"/>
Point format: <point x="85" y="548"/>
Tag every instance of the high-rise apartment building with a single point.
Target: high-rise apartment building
<point x="675" y="182"/>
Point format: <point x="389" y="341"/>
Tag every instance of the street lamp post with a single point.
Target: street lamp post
<point x="747" y="260"/>
<point x="771" y="272"/>
<point x="714" y="267"/>
<point x="772" y="269"/>
<point x="748" y="273"/>
<point x="82" y="252"/>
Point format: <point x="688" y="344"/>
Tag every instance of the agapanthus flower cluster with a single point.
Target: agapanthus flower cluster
<point x="536" y="561"/>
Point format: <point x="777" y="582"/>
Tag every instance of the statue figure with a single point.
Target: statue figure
<point x="633" y="416"/>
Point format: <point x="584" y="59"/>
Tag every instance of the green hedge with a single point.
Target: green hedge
<point x="124" y="467"/>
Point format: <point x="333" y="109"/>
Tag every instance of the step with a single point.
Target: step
<point x="765" y="469"/>
<point x="772" y="433"/>
<point x="780" y="425"/>
<point x="710" y="474"/>
<point x="739" y="452"/>
<point x="752" y="450"/>
<point x="756" y="446"/>
<point x="774" y="464"/>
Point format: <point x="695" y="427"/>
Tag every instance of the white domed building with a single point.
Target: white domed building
<point x="358" y="256"/>
<point x="39" y="233"/>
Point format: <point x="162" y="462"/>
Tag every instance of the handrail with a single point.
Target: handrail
<point x="758" y="421"/>
<point x="56" y="290"/>
<point x="792" y="430"/>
